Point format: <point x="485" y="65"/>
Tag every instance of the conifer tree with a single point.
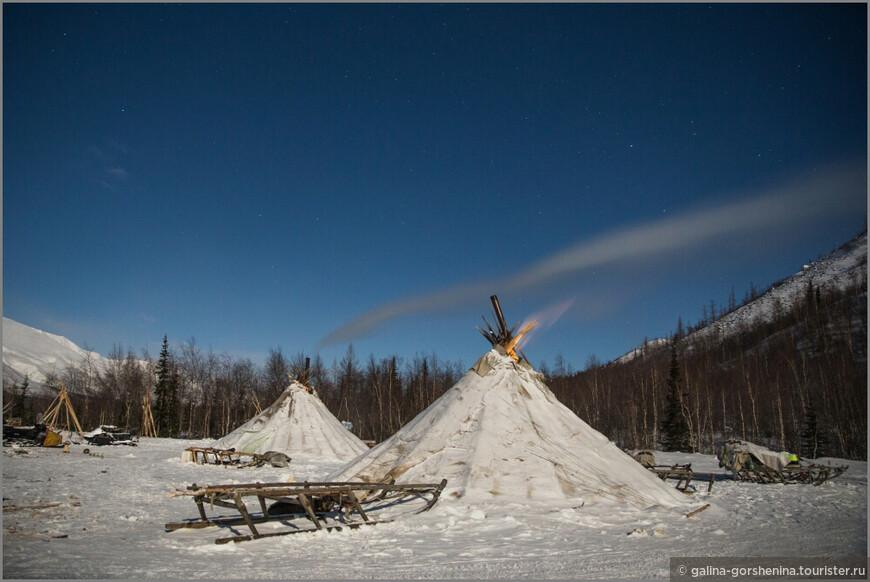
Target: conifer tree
<point x="675" y="429"/>
<point x="814" y="442"/>
<point x="166" y="393"/>
<point x="21" y="398"/>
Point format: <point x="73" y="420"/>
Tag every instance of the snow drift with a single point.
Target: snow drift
<point x="501" y="432"/>
<point x="297" y="423"/>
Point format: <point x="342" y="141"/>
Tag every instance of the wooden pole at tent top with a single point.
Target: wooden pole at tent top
<point x="302" y="376"/>
<point x="500" y="334"/>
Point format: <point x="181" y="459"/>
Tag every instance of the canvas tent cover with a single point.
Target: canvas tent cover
<point x="645" y="457"/>
<point x="297" y="423"/>
<point x="501" y="432"/>
<point x="735" y="455"/>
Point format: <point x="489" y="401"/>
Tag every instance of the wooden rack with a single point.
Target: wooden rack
<point x="212" y="456"/>
<point x="313" y="500"/>
<point x="226" y="457"/>
<point x="814" y="474"/>
<point x="684" y="475"/>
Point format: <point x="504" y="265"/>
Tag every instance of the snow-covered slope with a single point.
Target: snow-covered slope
<point x="35" y="354"/>
<point x="836" y="270"/>
<point x="640" y="351"/>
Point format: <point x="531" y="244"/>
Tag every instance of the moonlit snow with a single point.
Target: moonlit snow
<point x="112" y="508"/>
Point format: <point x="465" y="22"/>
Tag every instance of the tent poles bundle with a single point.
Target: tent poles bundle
<point x="148" y="428"/>
<point x="302" y="376"/>
<point x="53" y="411"/>
<point x="503" y="336"/>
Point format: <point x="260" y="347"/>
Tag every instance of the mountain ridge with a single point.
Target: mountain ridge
<point x="836" y="269"/>
<point x="35" y="355"/>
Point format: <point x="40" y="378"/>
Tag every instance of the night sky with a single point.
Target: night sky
<point x="304" y="176"/>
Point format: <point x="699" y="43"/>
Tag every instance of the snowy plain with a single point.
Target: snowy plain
<point x="113" y="506"/>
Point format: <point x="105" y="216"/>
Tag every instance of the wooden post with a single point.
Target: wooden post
<point x="199" y="506"/>
<point x="499" y="316"/>
<point x="305" y="502"/>
<point x="697" y="511"/>
<point x="240" y="505"/>
<point x="357" y="505"/>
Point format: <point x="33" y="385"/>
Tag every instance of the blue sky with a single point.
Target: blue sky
<point x="260" y="176"/>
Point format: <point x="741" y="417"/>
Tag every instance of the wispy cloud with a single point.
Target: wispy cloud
<point x="835" y="190"/>
<point x="99" y="154"/>
<point x="108" y="171"/>
<point x="117" y="172"/>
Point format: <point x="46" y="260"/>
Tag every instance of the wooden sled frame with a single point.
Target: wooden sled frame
<point x="226" y="457"/>
<point x="683" y="474"/>
<point x="814" y="474"/>
<point x="316" y="498"/>
<point x="211" y="456"/>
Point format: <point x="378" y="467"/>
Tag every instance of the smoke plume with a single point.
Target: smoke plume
<point x="832" y="191"/>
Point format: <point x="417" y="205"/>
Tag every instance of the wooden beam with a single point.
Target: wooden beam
<point x="341" y="527"/>
<point x="309" y="510"/>
<point x="357" y="506"/>
<point x="240" y="505"/>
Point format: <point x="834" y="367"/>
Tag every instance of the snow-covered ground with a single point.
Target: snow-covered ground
<point x="112" y="509"/>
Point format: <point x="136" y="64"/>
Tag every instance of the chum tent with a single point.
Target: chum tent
<point x="501" y="432"/>
<point x="298" y="423"/>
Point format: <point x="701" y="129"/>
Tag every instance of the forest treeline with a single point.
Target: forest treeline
<point x="797" y="382"/>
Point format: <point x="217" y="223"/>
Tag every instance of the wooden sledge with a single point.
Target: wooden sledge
<point x="212" y="456"/>
<point x="814" y="474"/>
<point x="683" y="474"/>
<point x="227" y="457"/>
<point x="314" y="500"/>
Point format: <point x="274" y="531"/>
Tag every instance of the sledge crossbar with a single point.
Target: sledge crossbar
<point x="312" y="499"/>
<point x="683" y="474"/>
<point x="314" y="487"/>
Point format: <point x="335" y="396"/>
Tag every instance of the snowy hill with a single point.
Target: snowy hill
<point x="35" y="354"/>
<point x="836" y="270"/>
<point x="640" y="351"/>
